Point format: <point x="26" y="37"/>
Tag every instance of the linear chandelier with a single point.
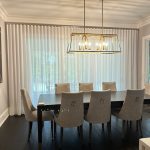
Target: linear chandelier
<point x="91" y="42"/>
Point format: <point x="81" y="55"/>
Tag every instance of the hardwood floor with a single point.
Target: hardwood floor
<point x="14" y="133"/>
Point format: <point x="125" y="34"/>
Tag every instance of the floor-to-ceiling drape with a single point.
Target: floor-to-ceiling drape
<point x="37" y="59"/>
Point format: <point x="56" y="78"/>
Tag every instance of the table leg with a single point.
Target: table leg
<point x="39" y="116"/>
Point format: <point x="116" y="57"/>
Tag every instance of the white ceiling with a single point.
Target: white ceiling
<point x="115" y="11"/>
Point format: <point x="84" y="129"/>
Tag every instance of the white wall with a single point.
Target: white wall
<point x="3" y="85"/>
<point x="143" y="31"/>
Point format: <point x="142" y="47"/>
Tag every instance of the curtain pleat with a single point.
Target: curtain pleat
<point x="37" y="59"/>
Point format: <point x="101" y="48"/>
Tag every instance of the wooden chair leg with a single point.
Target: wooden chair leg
<point x="141" y="118"/>
<point x="78" y="129"/>
<point x="127" y="123"/>
<point x="130" y="124"/>
<point x="55" y="131"/>
<point x="137" y="125"/>
<point x="109" y="129"/>
<point x="52" y="127"/>
<point x="30" y="129"/>
<point x="90" y="133"/>
<point x="103" y="127"/>
<point x="81" y="135"/>
<point x="110" y="122"/>
<point x="61" y="137"/>
<point x="140" y="127"/>
<point x="123" y="128"/>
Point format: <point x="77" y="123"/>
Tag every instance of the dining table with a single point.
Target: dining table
<point x="53" y="101"/>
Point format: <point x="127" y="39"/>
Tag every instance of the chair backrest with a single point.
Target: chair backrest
<point x="109" y="86"/>
<point x="100" y="107"/>
<point x="133" y="105"/>
<point x="71" y="110"/>
<point x="62" y="87"/>
<point x="30" y="102"/>
<point x="26" y="105"/>
<point x="147" y="88"/>
<point x="85" y="87"/>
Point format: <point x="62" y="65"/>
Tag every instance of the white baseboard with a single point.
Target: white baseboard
<point x="3" y="117"/>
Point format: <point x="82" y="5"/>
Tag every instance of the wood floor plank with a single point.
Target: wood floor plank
<point x="14" y="134"/>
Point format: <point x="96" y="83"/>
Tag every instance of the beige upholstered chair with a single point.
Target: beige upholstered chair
<point x="132" y="107"/>
<point x="109" y="86"/>
<point x="71" y="112"/>
<point x="147" y="88"/>
<point x="31" y="113"/>
<point x="99" y="110"/>
<point x="62" y="87"/>
<point x="146" y="107"/>
<point x="85" y="87"/>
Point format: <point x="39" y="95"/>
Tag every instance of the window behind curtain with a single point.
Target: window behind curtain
<point x="44" y="50"/>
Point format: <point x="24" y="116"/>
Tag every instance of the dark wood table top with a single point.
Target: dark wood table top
<point x="54" y="99"/>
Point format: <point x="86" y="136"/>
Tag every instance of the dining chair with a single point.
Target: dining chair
<point x="132" y="108"/>
<point x="31" y="112"/>
<point x="70" y="114"/>
<point x="85" y="87"/>
<point x="62" y="87"/>
<point x="109" y="86"/>
<point x="146" y="107"/>
<point x="147" y="88"/>
<point x="99" y="110"/>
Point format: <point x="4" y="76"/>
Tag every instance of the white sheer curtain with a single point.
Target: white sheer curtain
<point x="37" y="59"/>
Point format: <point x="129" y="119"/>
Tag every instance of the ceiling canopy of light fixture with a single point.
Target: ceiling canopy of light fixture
<point x="91" y="42"/>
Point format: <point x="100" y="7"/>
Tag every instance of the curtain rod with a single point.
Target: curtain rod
<point x="79" y="26"/>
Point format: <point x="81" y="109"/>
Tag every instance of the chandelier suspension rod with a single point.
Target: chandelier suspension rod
<point x="84" y="16"/>
<point x="102" y="16"/>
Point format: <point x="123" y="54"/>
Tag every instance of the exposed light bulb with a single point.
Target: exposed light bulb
<point x="89" y="43"/>
<point x="105" y="43"/>
<point x="96" y="44"/>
